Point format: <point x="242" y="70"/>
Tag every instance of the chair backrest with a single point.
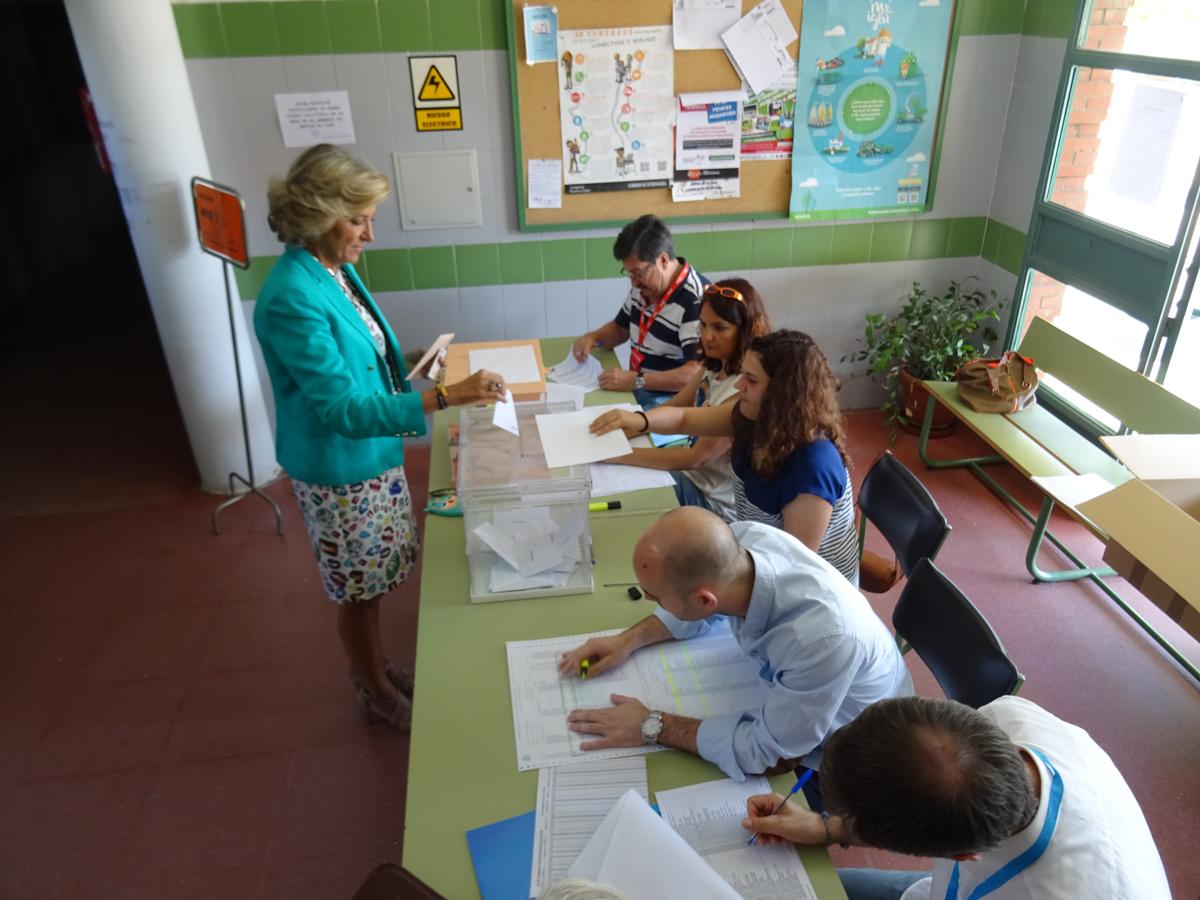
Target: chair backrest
<point x="903" y="510"/>
<point x="953" y="638"/>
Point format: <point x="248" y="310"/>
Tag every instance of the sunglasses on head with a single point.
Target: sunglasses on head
<point x="724" y="292"/>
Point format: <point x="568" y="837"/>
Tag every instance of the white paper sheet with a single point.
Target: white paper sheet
<point x="584" y="374"/>
<point x="516" y="365"/>
<point x="565" y="393"/>
<point x="566" y="440"/>
<point x="757" y="44"/>
<point x="504" y="415"/>
<point x="705" y="676"/>
<point x="572" y="802"/>
<point x="699" y="24"/>
<point x="708" y="817"/>
<point x="609" y="479"/>
<point x="322" y="117"/>
<point x="545" y="183"/>
<point x="637" y="852"/>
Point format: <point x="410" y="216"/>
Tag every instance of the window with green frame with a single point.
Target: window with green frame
<point x="1111" y="249"/>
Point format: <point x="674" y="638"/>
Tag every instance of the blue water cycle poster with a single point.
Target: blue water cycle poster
<point x="868" y="88"/>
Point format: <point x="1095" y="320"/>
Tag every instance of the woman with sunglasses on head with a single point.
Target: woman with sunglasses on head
<point x="731" y="316"/>
<point x="789" y="444"/>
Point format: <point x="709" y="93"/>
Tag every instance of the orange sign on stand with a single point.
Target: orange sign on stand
<point x="220" y="221"/>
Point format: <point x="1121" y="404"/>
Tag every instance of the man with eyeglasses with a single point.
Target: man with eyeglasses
<point x="660" y="316"/>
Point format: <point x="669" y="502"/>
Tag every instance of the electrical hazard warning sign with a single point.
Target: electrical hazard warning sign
<point x="437" y="103"/>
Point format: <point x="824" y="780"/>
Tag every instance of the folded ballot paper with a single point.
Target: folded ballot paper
<point x="535" y="550"/>
<point x="571" y="371"/>
<point x="637" y="852"/>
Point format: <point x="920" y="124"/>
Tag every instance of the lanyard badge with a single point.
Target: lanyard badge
<point x="637" y="356"/>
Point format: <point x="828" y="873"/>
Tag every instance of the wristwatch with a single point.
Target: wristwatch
<point x="639" y="382"/>
<point x="652" y="727"/>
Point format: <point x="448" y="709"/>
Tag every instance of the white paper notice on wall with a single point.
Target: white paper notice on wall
<point x="545" y="184"/>
<point x="315" y="118"/>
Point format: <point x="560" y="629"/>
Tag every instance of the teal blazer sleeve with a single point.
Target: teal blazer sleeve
<point x="338" y="417"/>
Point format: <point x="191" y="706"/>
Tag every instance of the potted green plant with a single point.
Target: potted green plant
<point x="927" y="339"/>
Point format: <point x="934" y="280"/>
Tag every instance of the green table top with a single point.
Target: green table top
<point x="462" y="770"/>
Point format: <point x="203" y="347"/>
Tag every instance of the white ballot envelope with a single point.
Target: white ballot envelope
<point x="636" y="851"/>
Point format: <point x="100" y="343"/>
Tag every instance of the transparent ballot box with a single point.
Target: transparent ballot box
<point x="527" y="527"/>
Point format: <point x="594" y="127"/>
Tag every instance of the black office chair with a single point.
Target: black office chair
<point x="953" y="638"/>
<point x="903" y="510"/>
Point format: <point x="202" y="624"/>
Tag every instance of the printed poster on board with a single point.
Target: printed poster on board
<point x="616" y="100"/>
<point x="868" y="87"/>
<point x="769" y="119"/>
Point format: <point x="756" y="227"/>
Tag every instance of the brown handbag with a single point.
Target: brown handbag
<point x="1004" y="385"/>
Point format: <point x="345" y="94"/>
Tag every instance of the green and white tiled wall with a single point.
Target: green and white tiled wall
<point x="495" y="281"/>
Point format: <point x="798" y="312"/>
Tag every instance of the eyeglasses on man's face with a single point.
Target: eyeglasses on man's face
<point x="638" y="274"/>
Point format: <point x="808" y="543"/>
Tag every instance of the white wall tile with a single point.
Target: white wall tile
<point x="473" y="96"/>
<point x="482" y="311"/>
<point x="604" y="299"/>
<point x="418" y="317"/>
<point x="567" y="308"/>
<point x="304" y="74"/>
<point x="399" y="88"/>
<point x="499" y="100"/>
<point x="524" y="311"/>
<point x="256" y="81"/>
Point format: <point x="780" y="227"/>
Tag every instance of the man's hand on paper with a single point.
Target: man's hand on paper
<point x="629" y="422"/>
<point x="583" y="346"/>
<point x="617" y="380"/>
<point x="617" y="726"/>
<point x="793" y="825"/>
<point x="602" y="654"/>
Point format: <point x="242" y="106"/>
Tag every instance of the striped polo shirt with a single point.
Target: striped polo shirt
<point x="674" y="336"/>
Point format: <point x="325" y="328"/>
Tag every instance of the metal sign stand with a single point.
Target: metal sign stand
<point x="251" y="487"/>
<point x="221" y="227"/>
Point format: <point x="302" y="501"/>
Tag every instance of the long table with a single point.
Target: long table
<point x="462" y="770"/>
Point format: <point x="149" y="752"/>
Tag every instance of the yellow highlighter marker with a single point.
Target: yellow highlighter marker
<point x="583" y="668"/>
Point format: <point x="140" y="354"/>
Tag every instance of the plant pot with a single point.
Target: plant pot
<point x="914" y="397"/>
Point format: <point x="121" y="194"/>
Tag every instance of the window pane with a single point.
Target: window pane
<point x="1098" y="324"/>
<point x="1165" y="28"/>
<point x="1129" y="150"/>
<point x="1183" y="372"/>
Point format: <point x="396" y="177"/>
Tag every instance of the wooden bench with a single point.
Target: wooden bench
<point x="1065" y="465"/>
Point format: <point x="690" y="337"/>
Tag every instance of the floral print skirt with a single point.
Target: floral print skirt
<point x="364" y="535"/>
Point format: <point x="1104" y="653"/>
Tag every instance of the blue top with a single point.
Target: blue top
<point x="342" y="409"/>
<point x="815" y="468"/>
<point x="824" y="653"/>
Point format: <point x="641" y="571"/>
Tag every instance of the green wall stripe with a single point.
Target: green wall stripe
<point x="208" y="30"/>
<point x="576" y="259"/>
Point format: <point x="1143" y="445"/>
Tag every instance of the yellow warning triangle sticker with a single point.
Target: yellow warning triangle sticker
<point x="435" y="87"/>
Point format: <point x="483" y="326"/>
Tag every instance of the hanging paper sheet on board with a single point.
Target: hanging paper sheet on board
<point x="867" y="96"/>
<point x="616" y="100"/>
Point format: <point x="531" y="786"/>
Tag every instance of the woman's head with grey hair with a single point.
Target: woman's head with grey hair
<point x="323" y="185"/>
<point x="582" y="889"/>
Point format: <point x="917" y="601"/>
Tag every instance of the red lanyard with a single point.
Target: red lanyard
<point x="636" y="355"/>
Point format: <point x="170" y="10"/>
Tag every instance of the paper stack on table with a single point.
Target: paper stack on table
<point x="638" y="853"/>
<point x="571" y="371"/>
<point x="566" y="440"/>
<point x="572" y="802"/>
<point x="708" y="817"/>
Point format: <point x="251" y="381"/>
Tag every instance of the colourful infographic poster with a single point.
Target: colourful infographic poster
<point x="769" y="119"/>
<point x="868" y="86"/>
<point x="616" y="101"/>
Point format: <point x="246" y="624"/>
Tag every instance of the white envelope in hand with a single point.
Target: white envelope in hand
<point x="636" y="851"/>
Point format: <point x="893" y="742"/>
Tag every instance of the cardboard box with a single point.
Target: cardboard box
<point x="458" y="366"/>
<point x="1153" y="521"/>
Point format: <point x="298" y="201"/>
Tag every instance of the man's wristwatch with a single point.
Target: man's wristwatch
<point x="639" y="381"/>
<point x="652" y="727"/>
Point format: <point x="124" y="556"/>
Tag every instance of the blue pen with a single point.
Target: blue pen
<point x="800" y="782"/>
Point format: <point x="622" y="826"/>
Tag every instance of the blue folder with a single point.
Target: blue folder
<point x="502" y="854"/>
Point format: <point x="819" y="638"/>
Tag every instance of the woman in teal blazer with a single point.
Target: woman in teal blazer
<point x="343" y="406"/>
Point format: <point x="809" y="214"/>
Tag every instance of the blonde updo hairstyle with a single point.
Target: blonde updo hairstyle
<point x="324" y="184"/>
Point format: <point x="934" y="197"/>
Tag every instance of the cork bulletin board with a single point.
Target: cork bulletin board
<point x="765" y="185"/>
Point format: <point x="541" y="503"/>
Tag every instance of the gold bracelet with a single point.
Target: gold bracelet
<point x="440" y="395"/>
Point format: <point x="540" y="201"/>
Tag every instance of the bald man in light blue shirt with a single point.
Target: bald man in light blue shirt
<point x="823" y="653"/>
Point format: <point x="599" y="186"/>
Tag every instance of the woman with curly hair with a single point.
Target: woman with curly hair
<point x="789" y="444"/>
<point x="732" y="315"/>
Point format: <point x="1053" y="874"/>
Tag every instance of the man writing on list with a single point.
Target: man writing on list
<point x="822" y="651"/>
<point x="660" y="316"/>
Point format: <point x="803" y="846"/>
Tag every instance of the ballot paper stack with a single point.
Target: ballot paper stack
<point x="526" y="524"/>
